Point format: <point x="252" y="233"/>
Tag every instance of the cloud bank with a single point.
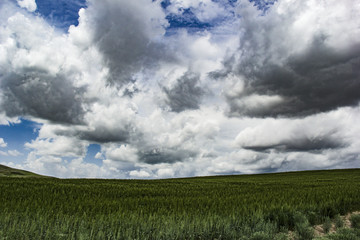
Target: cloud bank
<point x="299" y="59"/>
<point x="185" y="88"/>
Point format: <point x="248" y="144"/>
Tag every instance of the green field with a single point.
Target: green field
<point x="265" y="206"/>
<point x="12" y="172"/>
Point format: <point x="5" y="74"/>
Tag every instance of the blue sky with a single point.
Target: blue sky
<point x="60" y="13"/>
<point x="16" y="135"/>
<point x="178" y="88"/>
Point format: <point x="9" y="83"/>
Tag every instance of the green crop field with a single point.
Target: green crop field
<point x="265" y="206"/>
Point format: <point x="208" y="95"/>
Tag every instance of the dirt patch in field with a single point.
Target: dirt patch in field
<point x="319" y="230"/>
<point x="346" y="219"/>
<point x="291" y="235"/>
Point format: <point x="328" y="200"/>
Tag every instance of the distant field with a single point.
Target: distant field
<point x="12" y="172"/>
<point x="265" y="206"/>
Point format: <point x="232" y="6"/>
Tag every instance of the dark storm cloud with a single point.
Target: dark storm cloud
<point x="37" y="93"/>
<point x="101" y="133"/>
<point x="105" y="135"/>
<point x="300" y="145"/>
<point x="320" y="78"/>
<point x="123" y="34"/>
<point x="186" y="94"/>
<point x="157" y="155"/>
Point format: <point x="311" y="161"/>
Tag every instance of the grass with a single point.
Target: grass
<point x="327" y="225"/>
<point x="344" y="234"/>
<point x="262" y="206"/>
<point x="302" y="227"/>
<point x="12" y="172"/>
<point x="339" y="223"/>
<point x="355" y="221"/>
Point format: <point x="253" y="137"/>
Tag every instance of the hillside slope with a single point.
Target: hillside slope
<point x="13" y="172"/>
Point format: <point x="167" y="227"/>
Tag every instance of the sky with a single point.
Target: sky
<point x="179" y="88"/>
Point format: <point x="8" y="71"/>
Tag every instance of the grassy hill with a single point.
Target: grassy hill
<point x="264" y="206"/>
<point x="13" y="172"/>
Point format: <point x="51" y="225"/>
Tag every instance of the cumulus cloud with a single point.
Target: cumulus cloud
<point x="111" y="123"/>
<point x="36" y="80"/>
<point x="167" y="155"/>
<point x="165" y="173"/>
<point x="261" y="88"/>
<point x="319" y="141"/>
<point x="98" y="155"/>
<point x="12" y="153"/>
<point x="300" y="53"/>
<point x="312" y="133"/>
<point x="2" y="143"/>
<point x="34" y="92"/>
<point x="186" y="94"/>
<point x="139" y="174"/>
<point x="5" y="120"/>
<point x="59" y="146"/>
<point x="179" y="139"/>
<point x="122" y="153"/>
<point x="56" y="166"/>
<point x="128" y="34"/>
<point x="30" y="5"/>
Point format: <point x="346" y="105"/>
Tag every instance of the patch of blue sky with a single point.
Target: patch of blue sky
<point x="60" y="13"/>
<point x="186" y="20"/>
<point x="260" y="4"/>
<point x="263" y="5"/>
<point x="64" y="13"/>
<point x="225" y="2"/>
<point x="231" y="2"/>
<point x="16" y="135"/>
<point x="165" y="3"/>
<point x="92" y="150"/>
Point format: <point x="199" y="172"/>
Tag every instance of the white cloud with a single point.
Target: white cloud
<point x="2" y="143"/>
<point x="98" y="155"/>
<point x="42" y="62"/>
<point x="2" y="153"/>
<point x="4" y="120"/>
<point x="59" y="146"/>
<point x="139" y="174"/>
<point x="127" y="33"/>
<point x="173" y="105"/>
<point x="57" y="167"/>
<point x="327" y="130"/>
<point x="122" y="153"/>
<point x="14" y="153"/>
<point x="165" y="173"/>
<point x="30" y="5"/>
<point x="294" y="52"/>
<point x="253" y="103"/>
